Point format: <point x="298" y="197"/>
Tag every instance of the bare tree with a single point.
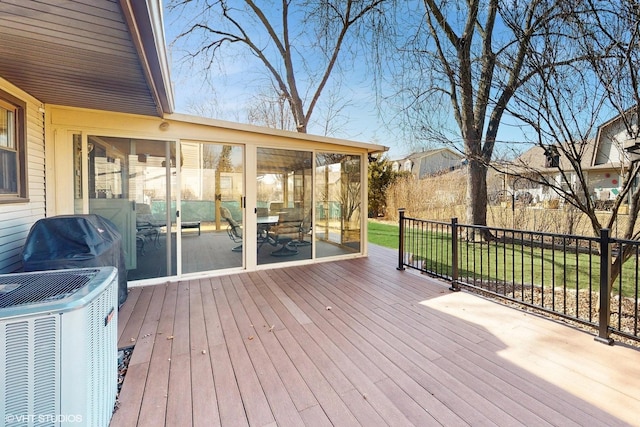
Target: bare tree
<point x="271" y="111"/>
<point x="469" y="59"/>
<point x="333" y="119"/>
<point x="211" y="107"/>
<point x="299" y="44"/>
<point x="563" y="107"/>
<point x="612" y="38"/>
<point x="566" y="108"/>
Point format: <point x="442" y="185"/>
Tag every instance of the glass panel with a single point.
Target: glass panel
<point x="338" y="204"/>
<point x="284" y="205"/>
<point x="8" y="172"/>
<point x="129" y="183"/>
<point x="8" y="153"/>
<point x="7" y="128"/>
<point x="152" y="185"/>
<point x="211" y="211"/>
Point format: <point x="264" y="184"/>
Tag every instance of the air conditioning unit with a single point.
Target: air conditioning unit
<point x="58" y="347"/>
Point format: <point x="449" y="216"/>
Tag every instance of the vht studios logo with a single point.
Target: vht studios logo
<point x="19" y="419"/>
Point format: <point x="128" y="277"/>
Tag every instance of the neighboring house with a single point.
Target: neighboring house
<point x="429" y="163"/>
<point x="604" y="162"/>
<point x="87" y="125"/>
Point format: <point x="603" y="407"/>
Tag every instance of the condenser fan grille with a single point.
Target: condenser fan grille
<point x="41" y="287"/>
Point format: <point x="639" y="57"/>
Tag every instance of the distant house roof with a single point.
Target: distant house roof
<point x="427" y="153"/>
<point x="630" y="116"/>
<point x="104" y="55"/>
<point x="536" y="159"/>
<point x="627" y="113"/>
<point x="430" y="153"/>
<point x="429" y="162"/>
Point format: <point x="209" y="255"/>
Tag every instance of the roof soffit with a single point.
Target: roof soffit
<point x="81" y="53"/>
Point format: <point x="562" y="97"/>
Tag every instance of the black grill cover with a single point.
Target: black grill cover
<point x="75" y="241"/>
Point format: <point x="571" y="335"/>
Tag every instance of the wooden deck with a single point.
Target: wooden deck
<point x="359" y="343"/>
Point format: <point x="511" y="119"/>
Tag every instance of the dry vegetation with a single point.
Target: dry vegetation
<point x="442" y="197"/>
<point x="439" y="198"/>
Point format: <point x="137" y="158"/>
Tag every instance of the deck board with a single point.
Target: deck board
<point x="228" y="398"/>
<point x="154" y="404"/>
<point x="282" y="407"/>
<point x="236" y="333"/>
<point x="314" y="347"/>
<point x="299" y="391"/>
<point x="205" y="406"/>
<point x="395" y="348"/>
<point x="124" y="314"/>
<point x="315" y="416"/>
<point x="179" y="390"/>
<point x="131" y="330"/>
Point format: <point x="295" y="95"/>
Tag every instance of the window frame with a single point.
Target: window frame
<point x="19" y="107"/>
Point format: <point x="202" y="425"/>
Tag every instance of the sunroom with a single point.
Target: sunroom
<point x="194" y="196"/>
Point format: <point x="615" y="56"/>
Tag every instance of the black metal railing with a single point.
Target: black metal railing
<point x="564" y="275"/>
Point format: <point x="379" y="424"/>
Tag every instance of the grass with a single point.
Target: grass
<point x="529" y="265"/>
<point x="504" y="263"/>
<point x="383" y="234"/>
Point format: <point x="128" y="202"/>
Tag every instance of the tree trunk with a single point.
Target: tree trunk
<point x="477" y="195"/>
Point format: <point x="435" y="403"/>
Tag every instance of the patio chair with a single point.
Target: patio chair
<point x="305" y="228"/>
<point x="283" y="234"/>
<point x="234" y="230"/>
<point x="147" y="227"/>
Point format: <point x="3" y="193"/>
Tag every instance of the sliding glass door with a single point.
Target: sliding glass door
<point x="211" y="208"/>
<point x="132" y="183"/>
<point x="284" y="205"/>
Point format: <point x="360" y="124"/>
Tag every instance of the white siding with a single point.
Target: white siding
<point x="612" y="140"/>
<point x="16" y="219"/>
<point x="437" y="163"/>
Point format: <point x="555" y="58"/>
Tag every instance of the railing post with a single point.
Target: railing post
<point x="401" y="241"/>
<point x="605" y="295"/>
<point x="454" y="255"/>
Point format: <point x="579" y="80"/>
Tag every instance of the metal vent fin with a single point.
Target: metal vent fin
<point x="45" y="364"/>
<point x="16" y="369"/>
<point x="42" y="287"/>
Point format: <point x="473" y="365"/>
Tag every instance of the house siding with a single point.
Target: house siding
<point x="612" y="140"/>
<point x="16" y="219"/>
<point x="428" y="163"/>
<point x="440" y="162"/>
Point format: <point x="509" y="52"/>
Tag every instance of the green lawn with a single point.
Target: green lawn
<point x="383" y="234"/>
<point x="499" y="263"/>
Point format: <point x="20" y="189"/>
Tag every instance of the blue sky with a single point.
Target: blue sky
<point x="225" y="93"/>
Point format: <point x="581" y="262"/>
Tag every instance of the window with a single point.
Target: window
<point x="12" y="150"/>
